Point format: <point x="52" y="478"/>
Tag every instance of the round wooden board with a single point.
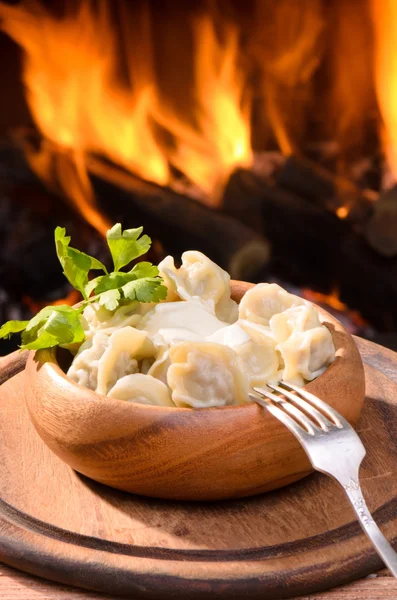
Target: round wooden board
<point x="59" y="525"/>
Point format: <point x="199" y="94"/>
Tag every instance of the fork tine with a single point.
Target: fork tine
<point x="322" y="421"/>
<point x="279" y="414"/>
<point x="302" y="419"/>
<point x="330" y="412"/>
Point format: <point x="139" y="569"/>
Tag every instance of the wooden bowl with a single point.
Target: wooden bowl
<point x="181" y="453"/>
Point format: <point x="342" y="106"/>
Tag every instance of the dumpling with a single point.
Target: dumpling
<point x="202" y="277"/>
<point x="125" y="348"/>
<point x="159" y="366"/>
<point x="206" y="374"/>
<point x="191" y="316"/>
<point x="98" y="318"/>
<point x="199" y="278"/>
<point x="255" y="345"/>
<point x="166" y="268"/>
<point x="142" y="389"/>
<point x="298" y="318"/>
<point x="84" y="368"/>
<point x="306" y="354"/>
<point x="264" y="300"/>
<point x="259" y="354"/>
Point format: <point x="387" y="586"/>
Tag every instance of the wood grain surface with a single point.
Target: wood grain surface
<point x="15" y="585"/>
<point x="180" y="453"/>
<point x="60" y="525"/>
<point x="382" y="359"/>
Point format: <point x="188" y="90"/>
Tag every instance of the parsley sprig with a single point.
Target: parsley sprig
<point x="61" y="325"/>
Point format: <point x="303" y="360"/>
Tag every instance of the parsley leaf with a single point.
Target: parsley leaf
<point x="112" y="282"/>
<point x="53" y="326"/>
<point x="12" y="327"/>
<point x="76" y="265"/>
<point x="144" y="269"/>
<point x="91" y="285"/>
<point x="147" y="289"/>
<point x="126" y="245"/>
<point x="141" y="283"/>
<point x="110" y="299"/>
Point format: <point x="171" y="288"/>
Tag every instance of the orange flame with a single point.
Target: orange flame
<point x="349" y="98"/>
<point x="220" y="142"/>
<point x="385" y="21"/>
<point x="93" y="88"/>
<point x="77" y="101"/>
<point x="286" y="44"/>
<point x="64" y="170"/>
<point x="333" y="301"/>
<point x="90" y="92"/>
<point x="73" y="92"/>
<point x="36" y="305"/>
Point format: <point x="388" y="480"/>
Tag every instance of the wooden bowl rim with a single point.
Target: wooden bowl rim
<point x="47" y="357"/>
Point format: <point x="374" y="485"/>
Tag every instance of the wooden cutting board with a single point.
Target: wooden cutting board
<point x="59" y="525"/>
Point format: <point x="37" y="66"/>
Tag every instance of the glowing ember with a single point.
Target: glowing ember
<point x="342" y="212"/>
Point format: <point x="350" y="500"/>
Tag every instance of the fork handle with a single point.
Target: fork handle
<point x="382" y="546"/>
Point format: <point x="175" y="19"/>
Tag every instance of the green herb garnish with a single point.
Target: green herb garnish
<point x="76" y="265"/>
<point x="61" y="325"/>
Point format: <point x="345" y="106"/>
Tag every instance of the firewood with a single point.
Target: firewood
<point x="308" y="180"/>
<point x="231" y="243"/>
<point x="381" y="229"/>
<point x="312" y="247"/>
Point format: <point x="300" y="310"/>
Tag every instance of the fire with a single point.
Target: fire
<point x="90" y="92"/>
<point x="94" y="87"/>
<point x="221" y="140"/>
<point x="349" y="97"/>
<point x="385" y="21"/>
<point x="334" y="302"/>
<point x="78" y="102"/>
<point x="35" y="306"/>
<point x="64" y="170"/>
<point x="287" y="46"/>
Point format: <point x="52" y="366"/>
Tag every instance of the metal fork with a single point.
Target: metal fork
<point x="332" y="446"/>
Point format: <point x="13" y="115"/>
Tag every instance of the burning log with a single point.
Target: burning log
<point x="376" y="215"/>
<point x="310" y="244"/>
<point x="381" y="230"/>
<point x="292" y="225"/>
<point x="305" y="178"/>
<point x="182" y="221"/>
<point x="179" y="220"/>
